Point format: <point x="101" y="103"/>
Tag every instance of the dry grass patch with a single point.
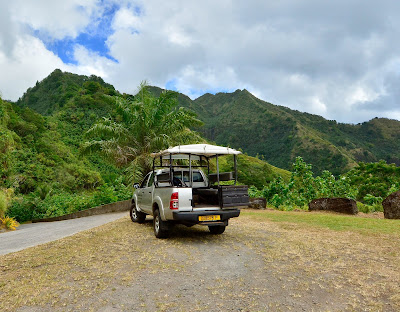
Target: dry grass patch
<point x="67" y="270"/>
<point x="359" y="258"/>
<point x="275" y="261"/>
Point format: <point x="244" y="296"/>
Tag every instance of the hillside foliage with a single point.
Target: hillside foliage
<point x="44" y="172"/>
<point x="139" y="126"/>
<point x="40" y="153"/>
<point x="278" y="134"/>
<point x="42" y="137"/>
<point x="368" y="183"/>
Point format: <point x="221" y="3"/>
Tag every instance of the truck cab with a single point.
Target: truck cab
<point x="178" y="191"/>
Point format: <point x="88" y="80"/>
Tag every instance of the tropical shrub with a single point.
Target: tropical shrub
<point x="303" y="187"/>
<point x="3" y="204"/>
<point x="9" y="223"/>
<point x="140" y="126"/>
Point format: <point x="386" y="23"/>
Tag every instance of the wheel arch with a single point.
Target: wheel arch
<point x="157" y="204"/>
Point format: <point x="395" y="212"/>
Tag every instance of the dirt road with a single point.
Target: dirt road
<point x="254" y="266"/>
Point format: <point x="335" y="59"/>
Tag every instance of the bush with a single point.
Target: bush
<point x="369" y="208"/>
<point x="105" y="195"/>
<point x="22" y="208"/>
<point x="303" y="187"/>
<point x="3" y="204"/>
<point x="372" y="200"/>
<point x="44" y="203"/>
<point x="61" y="204"/>
<point x="254" y="192"/>
<point x="9" y="223"/>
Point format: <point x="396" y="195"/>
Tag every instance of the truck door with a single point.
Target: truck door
<point x="147" y="201"/>
<point x="141" y="193"/>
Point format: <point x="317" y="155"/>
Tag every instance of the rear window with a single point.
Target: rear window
<point x="197" y="177"/>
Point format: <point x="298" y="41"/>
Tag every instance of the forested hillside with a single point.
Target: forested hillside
<point x="40" y="154"/>
<point x="41" y="138"/>
<point x="279" y="134"/>
<point x="45" y="172"/>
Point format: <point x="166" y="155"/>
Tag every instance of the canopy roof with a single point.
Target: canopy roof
<point x="198" y="149"/>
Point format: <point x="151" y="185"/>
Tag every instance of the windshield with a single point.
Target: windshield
<point x="197" y="176"/>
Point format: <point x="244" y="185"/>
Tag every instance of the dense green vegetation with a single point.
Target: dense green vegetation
<point x="140" y="126"/>
<point x="45" y="172"/>
<point x="40" y="156"/>
<point x="278" y="134"/>
<point x="42" y="136"/>
<point x="368" y="183"/>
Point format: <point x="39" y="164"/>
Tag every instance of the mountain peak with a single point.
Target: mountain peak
<point x="55" y="90"/>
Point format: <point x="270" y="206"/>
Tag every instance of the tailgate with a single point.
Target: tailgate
<point x="233" y="196"/>
<point x="185" y="198"/>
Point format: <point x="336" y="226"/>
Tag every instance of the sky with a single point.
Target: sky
<point x="338" y="59"/>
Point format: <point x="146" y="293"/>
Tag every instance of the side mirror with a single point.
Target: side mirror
<point x="136" y="185"/>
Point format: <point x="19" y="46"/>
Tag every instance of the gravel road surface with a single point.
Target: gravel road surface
<point x="33" y="234"/>
<point x="256" y="265"/>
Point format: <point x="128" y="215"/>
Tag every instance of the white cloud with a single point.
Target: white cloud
<point x="29" y="62"/>
<point x="313" y="56"/>
<point x="56" y="19"/>
<point x="209" y="79"/>
<point x="126" y="19"/>
<point x="91" y="63"/>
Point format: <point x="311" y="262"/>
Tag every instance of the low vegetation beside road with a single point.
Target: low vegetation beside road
<point x="266" y="260"/>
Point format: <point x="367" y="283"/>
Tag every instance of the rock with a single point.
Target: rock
<point x="342" y="205"/>
<point x="258" y="203"/>
<point x="391" y="206"/>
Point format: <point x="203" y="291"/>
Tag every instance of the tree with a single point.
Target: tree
<point x="140" y="126"/>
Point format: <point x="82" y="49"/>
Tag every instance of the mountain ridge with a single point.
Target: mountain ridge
<point x="241" y="120"/>
<point x="278" y="134"/>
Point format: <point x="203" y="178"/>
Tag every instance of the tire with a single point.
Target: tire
<point x="217" y="229"/>
<point x="160" y="226"/>
<point x="136" y="216"/>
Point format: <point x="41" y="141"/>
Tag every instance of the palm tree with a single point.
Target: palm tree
<point x="142" y="125"/>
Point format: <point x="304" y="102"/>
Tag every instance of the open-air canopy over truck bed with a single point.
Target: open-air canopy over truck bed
<point x="178" y="191"/>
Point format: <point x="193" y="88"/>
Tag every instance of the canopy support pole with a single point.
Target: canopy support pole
<point x="217" y="169"/>
<point x="235" y="166"/>
<point x="190" y="170"/>
<point x="170" y="170"/>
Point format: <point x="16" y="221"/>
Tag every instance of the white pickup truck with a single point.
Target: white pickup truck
<point x="178" y="191"/>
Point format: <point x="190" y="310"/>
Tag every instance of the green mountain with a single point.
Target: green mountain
<point x="59" y="89"/>
<point x="279" y="134"/>
<point x="273" y="133"/>
<point x="40" y="139"/>
<point x="41" y="135"/>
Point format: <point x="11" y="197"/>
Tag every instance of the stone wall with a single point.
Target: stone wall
<point x="343" y="205"/>
<point x="113" y="207"/>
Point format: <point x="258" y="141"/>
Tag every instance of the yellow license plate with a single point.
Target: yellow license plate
<point x="210" y="218"/>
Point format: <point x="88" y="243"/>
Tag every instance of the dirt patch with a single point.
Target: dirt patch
<point x="254" y="266"/>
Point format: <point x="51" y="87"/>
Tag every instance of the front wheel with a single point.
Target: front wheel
<point x="136" y="216"/>
<point x="217" y="229"/>
<point x="160" y="226"/>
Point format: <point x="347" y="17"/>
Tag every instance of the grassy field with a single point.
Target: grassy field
<point x="266" y="260"/>
<point x="332" y="221"/>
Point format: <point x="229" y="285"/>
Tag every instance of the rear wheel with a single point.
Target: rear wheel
<point x="136" y="216"/>
<point x="217" y="229"/>
<point x="160" y="226"/>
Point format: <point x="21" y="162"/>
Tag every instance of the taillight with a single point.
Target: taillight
<point x="174" y="202"/>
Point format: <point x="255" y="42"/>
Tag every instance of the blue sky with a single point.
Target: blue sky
<point x="308" y="55"/>
<point x="93" y="37"/>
